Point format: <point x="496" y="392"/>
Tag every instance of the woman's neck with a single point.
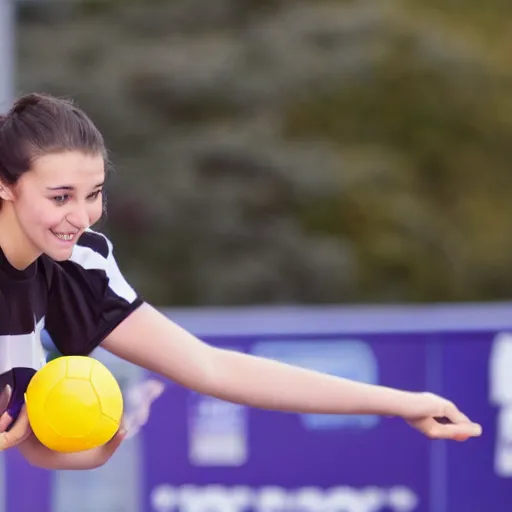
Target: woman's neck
<point x="17" y="248"/>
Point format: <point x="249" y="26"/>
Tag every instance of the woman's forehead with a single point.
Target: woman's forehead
<point x="71" y="169"/>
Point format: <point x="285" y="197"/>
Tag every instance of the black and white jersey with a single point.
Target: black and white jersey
<point x="79" y="302"/>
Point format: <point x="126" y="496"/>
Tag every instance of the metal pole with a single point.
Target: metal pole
<point x="7" y="54"/>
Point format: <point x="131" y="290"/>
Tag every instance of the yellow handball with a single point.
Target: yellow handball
<point x="74" y="403"/>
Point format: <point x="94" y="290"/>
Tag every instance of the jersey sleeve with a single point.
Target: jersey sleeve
<point x="89" y="297"/>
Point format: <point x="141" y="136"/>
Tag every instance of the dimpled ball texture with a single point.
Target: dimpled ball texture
<point x="74" y="403"/>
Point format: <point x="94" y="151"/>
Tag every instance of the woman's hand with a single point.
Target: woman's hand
<point x="438" y="418"/>
<point x="20" y="430"/>
<point x="21" y="436"/>
<point x="40" y="456"/>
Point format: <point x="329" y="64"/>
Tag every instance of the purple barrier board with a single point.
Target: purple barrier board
<point x="200" y="454"/>
<point x="477" y="374"/>
<point x="242" y="460"/>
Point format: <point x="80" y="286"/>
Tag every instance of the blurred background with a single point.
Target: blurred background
<point x="297" y="158"/>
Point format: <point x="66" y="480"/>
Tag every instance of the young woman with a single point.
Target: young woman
<point x="57" y="273"/>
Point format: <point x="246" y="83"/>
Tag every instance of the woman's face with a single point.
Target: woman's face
<point x="52" y="204"/>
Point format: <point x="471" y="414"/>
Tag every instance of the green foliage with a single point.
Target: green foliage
<point x="212" y="110"/>
<point x="444" y="237"/>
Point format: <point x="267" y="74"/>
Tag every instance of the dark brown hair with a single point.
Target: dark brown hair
<point x="38" y="125"/>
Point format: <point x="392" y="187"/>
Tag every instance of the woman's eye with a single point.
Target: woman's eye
<point x="95" y="195"/>
<point x="60" y="199"/>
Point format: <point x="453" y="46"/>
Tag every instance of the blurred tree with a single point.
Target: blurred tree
<point x="277" y="151"/>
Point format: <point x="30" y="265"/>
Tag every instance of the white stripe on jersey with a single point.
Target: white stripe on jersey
<point x="22" y="350"/>
<point x="89" y="259"/>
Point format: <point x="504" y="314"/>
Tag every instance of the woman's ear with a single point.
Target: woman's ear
<point x="5" y="192"/>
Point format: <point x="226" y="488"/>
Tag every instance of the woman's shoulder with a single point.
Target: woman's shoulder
<point x="92" y="261"/>
<point x="92" y="250"/>
<point x="93" y="241"/>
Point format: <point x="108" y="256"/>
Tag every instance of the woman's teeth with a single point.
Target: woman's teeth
<point x="64" y="236"/>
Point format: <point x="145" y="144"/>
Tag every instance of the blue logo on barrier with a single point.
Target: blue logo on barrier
<point x="352" y="359"/>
